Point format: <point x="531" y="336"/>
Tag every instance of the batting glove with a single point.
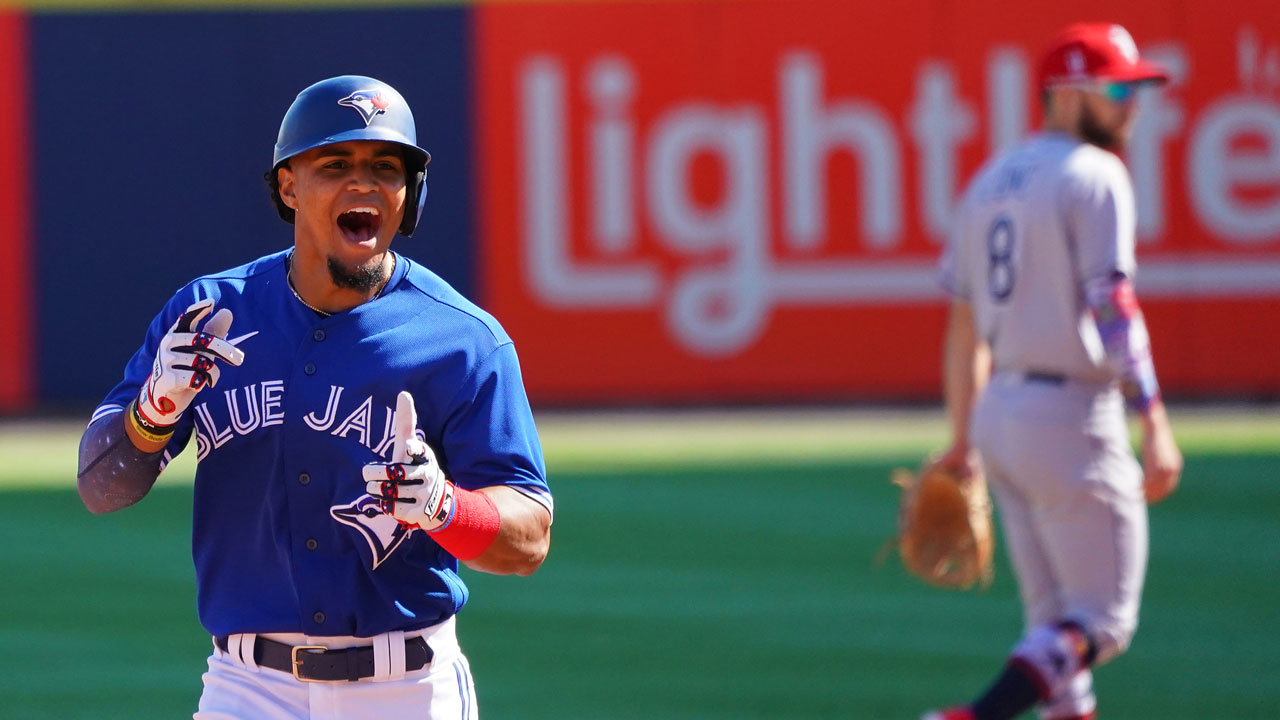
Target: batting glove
<point x="185" y="364"/>
<point x="412" y="488"/>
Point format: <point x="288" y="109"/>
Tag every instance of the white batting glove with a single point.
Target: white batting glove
<point x="185" y="364"/>
<point x="412" y="487"/>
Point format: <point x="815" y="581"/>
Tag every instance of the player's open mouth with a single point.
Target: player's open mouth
<point x="360" y="224"/>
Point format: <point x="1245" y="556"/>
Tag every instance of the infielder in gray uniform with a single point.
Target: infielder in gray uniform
<point x="1045" y="346"/>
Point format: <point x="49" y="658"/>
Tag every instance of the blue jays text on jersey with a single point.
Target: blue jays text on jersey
<point x="284" y="537"/>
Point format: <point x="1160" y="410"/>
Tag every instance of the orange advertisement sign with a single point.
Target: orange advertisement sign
<point x="739" y="201"/>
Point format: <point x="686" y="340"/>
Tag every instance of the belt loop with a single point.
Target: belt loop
<point x="388" y="656"/>
<point x="233" y="648"/>
<point x="248" y="642"/>
<point x="395" y="639"/>
<point x="240" y="649"/>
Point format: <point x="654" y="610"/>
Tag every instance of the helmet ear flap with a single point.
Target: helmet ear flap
<point x="415" y="190"/>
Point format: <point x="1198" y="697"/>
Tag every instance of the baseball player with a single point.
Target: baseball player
<point x="360" y="428"/>
<point x="1045" y="346"/>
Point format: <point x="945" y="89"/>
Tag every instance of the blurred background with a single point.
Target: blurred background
<point x="711" y="229"/>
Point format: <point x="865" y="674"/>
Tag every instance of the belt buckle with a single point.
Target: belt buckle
<point x="298" y="663"/>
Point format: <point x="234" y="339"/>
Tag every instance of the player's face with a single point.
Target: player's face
<point x="348" y="198"/>
<point x="1107" y="114"/>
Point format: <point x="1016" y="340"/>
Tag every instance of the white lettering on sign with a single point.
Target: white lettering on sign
<point x="611" y="89"/>
<point x="1218" y="171"/>
<point x="940" y="123"/>
<point x="1007" y="84"/>
<point x="1159" y="120"/>
<point x="773" y="165"/>
<point x="811" y="131"/>
<point x="1234" y="164"/>
<point x="553" y="274"/>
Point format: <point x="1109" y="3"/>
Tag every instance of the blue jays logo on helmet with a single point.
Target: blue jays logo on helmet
<point x="368" y="103"/>
<point x="318" y="117"/>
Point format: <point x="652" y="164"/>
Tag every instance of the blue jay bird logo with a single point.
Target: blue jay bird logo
<point x="369" y="103"/>
<point x="382" y="531"/>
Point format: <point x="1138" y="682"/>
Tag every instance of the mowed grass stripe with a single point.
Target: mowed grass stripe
<point x="744" y="589"/>
<point x="883" y="646"/>
<point x="37" y="453"/>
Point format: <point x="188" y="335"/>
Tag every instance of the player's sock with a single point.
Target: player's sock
<point x="1012" y="694"/>
<point x="1041" y="665"/>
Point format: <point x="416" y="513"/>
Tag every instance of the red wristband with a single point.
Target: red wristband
<point x="473" y="527"/>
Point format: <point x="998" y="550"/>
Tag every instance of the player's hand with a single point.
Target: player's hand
<point x="185" y="363"/>
<point x="412" y="487"/>
<point x="1161" y="458"/>
<point x="960" y="459"/>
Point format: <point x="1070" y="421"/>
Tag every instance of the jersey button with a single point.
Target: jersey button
<point x="318" y="335"/>
<point x="309" y="368"/>
<point x="318" y="617"/>
<point x="304" y="479"/>
<point x="312" y="544"/>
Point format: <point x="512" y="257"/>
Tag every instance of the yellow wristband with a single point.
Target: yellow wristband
<point x="144" y="432"/>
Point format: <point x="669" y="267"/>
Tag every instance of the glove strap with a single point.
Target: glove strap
<point x="147" y="430"/>
<point x="472" y="528"/>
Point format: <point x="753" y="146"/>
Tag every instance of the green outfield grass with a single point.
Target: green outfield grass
<point x="703" y="566"/>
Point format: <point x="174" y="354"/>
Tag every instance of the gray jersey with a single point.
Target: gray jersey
<point x="1034" y="226"/>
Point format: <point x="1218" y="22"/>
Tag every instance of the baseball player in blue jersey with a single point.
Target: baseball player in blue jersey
<point x="1045" y="347"/>
<point x="359" y="426"/>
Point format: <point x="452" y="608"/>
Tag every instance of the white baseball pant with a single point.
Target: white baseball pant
<point x="1069" y="492"/>
<point x="235" y="688"/>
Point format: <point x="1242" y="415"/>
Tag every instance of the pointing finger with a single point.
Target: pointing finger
<point x="406" y="423"/>
<point x="219" y="324"/>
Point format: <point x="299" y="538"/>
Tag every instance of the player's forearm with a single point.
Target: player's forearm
<point x="1154" y="418"/>
<point x="1125" y="339"/>
<point x="523" y="540"/>
<point x="966" y="367"/>
<point x="113" y="473"/>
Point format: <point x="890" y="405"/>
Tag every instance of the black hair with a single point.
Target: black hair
<point x="272" y="177"/>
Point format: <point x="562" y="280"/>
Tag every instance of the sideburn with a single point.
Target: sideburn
<point x="1095" y="133"/>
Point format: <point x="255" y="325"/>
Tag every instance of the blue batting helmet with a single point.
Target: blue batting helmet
<point x="353" y="107"/>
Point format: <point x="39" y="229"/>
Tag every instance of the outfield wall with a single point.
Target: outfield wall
<point x="662" y="202"/>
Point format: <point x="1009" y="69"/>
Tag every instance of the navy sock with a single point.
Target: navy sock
<point x="1012" y="694"/>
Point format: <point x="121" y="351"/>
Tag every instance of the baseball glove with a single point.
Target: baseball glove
<point x="944" y="527"/>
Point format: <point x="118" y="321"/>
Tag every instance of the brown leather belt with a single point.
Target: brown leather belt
<point x="316" y="663"/>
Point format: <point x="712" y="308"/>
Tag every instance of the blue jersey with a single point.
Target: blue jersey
<point x="284" y="537"/>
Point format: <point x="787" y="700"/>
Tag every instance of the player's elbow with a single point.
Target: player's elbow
<point x="99" y="499"/>
<point x="535" y="553"/>
<point x="525" y="538"/>
<point x="515" y="554"/>
<point x="93" y="502"/>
